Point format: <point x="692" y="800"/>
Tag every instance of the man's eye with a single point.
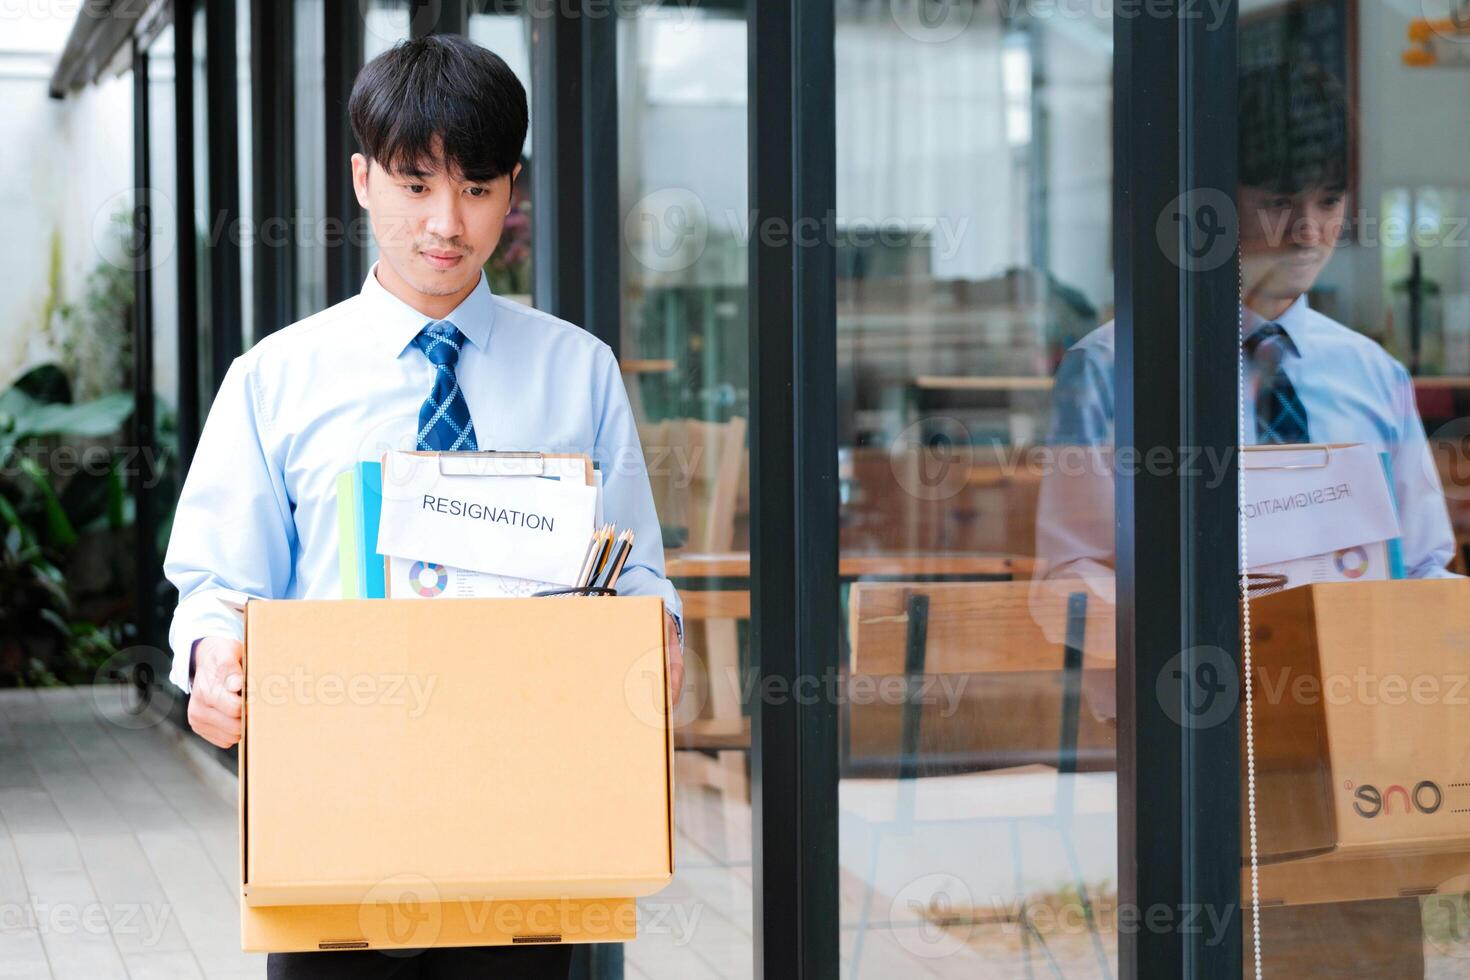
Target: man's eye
<point x="477" y="191"/>
<point x="413" y="188"/>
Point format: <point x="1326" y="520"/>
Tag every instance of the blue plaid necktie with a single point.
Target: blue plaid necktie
<point x="1280" y="415"/>
<point x="444" y="420"/>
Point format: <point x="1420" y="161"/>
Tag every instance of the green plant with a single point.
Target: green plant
<point x="40" y="519"/>
<point x="92" y="336"/>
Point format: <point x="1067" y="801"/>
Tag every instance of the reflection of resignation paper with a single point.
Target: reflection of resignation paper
<point x="525" y="527"/>
<point x="1314" y="503"/>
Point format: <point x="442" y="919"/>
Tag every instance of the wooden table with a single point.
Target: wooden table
<point x="887" y="565"/>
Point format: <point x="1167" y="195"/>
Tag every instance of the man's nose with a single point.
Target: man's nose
<point x="1307" y="228"/>
<point x="445" y="221"/>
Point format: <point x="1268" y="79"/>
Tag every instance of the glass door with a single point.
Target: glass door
<point x="977" y="805"/>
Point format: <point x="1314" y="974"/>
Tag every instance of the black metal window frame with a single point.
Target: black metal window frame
<point x="1177" y="591"/>
<point x="222" y="224"/>
<point x="347" y="253"/>
<point x="273" y="155"/>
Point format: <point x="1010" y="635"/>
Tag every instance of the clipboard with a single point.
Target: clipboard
<point x="428" y="576"/>
<point x="508" y="463"/>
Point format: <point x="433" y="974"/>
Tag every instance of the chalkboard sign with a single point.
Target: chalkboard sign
<point x="1324" y="32"/>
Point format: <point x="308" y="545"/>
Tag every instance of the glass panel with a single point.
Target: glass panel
<point x="311" y="151"/>
<point x="978" y="797"/>
<point x="682" y="119"/>
<point x="505" y="28"/>
<point x="163" y="292"/>
<point x="1355" y="324"/>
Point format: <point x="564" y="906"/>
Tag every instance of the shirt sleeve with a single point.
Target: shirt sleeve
<point x="627" y="498"/>
<point x="1427" y="539"/>
<point x="1074" y="516"/>
<point x="233" y="527"/>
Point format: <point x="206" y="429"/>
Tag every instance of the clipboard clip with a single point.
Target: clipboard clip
<point x="492" y="464"/>
<point x="1326" y="452"/>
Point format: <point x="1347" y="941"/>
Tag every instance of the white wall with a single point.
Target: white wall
<point x="1413" y="130"/>
<point x="64" y="164"/>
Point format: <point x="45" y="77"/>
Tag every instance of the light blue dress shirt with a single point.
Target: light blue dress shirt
<point x="258" y="509"/>
<point x="1353" y="392"/>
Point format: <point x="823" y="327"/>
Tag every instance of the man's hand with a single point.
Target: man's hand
<point x="215" y="700"/>
<point x="676" y="659"/>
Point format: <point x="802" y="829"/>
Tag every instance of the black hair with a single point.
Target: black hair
<point x="440" y="86"/>
<point x="1294" y="120"/>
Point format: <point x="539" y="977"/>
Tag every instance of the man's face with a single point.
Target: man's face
<point x="1287" y="239"/>
<point x="434" y="229"/>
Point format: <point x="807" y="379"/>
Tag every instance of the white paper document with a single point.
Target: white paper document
<point x="460" y="517"/>
<point x="417" y="579"/>
<point x="1317" y="513"/>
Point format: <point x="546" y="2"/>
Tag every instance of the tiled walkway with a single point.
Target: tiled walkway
<point x="118" y="853"/>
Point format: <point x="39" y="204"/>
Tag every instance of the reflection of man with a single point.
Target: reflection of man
<point x="1310" y="379"/>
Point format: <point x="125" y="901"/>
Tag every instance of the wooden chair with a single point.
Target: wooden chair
<point x="984" y="631"/>
<point x="695" y="470"/>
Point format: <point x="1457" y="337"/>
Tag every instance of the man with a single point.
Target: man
<point x="1309" y="379"/>
<point x="424" y="357"/>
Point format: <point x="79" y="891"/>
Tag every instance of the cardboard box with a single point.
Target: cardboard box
<point x="1362" y="739"/>
<point x="476" y="772"/>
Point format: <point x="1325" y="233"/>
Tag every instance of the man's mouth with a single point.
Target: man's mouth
<point x="441" y="260"/>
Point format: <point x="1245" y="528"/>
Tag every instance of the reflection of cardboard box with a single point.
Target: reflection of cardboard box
<point x="1362" y="739"/>
<point x="479" y="772"/>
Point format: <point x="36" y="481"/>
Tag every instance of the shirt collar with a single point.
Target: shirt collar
<point x="1292" y="322"/>
<point x="397" y="324"/>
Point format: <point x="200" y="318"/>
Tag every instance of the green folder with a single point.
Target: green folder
<point x="349" y="532"/>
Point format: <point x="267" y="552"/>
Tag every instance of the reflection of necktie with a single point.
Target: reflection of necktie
<point x="444" y="419"/>
<point x="1280" y="416"/>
